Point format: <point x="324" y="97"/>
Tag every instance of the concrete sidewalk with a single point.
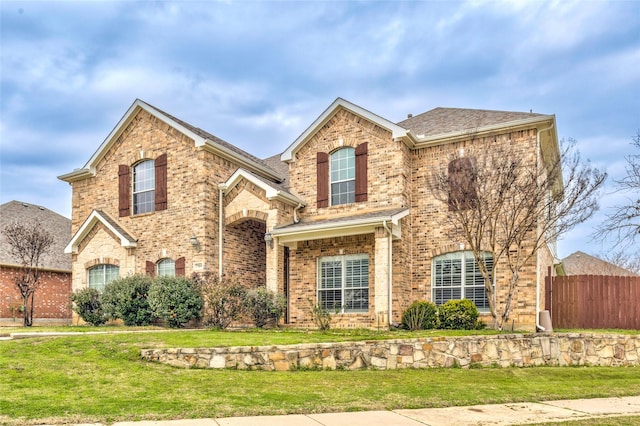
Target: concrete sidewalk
<point x="495" y="414"/>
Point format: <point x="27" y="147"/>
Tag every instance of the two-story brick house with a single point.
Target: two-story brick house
<point x="343" y="217"/>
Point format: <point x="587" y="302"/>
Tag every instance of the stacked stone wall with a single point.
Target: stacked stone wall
<point x="514" y="350"/>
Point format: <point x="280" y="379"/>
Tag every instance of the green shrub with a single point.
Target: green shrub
<point x="320" y="316"/>
<point x="265" y="307"/>
<point x="458" y="315"/>
<point x="87" y="304"/>
<point x="421" y="315"/>
<point x="126" y="299"/>
<point x="175" y="300"/>
<point x="224" y="299"/>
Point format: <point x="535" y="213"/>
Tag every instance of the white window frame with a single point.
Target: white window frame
<point x="144" y="187"/>
<point x="466" y="285"/>
<point x="334" y="159"/>
<point x="108" y="272"/>
<point x="166" y="267"/>
<point x="344" y="288"/>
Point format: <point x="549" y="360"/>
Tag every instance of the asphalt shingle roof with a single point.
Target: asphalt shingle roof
<point x="441" y="121"/>
<point x="58" y="225"/>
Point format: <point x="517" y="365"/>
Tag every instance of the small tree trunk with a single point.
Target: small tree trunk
<point x="33" y="295"/>
<point x="25" y="310"/>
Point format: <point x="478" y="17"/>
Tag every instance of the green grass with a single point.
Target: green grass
<point x="100" y="378"/>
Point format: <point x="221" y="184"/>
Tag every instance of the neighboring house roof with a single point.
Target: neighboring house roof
<point x="98" y="216"/>
<point x="200" y="137"/>
<point x="58" y="225"/>
<point x="316" y="228"/>
<point x="580" y="263"/>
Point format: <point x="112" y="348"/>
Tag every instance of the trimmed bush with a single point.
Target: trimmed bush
<point x="87" y="304"/>
<point x="176" y="300"/>
<point x="421" y="315"/>
<point x="224" y="299"/>
<point x="458" y="315"/>
<point x="126" y="299"/>
<point x="265" y="307"/>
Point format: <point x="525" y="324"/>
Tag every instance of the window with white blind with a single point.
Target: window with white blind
<point x="101" y="275"/>
<point x="457" y="276"/>
<point x="343" y="283"/>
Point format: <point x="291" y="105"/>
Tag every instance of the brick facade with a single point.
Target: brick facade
<point x="52" y="299"/>
<point x="254" y="204"/>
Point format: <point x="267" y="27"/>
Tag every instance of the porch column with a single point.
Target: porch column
<point x="381" y="275"/>
<point x="273" y="255"/>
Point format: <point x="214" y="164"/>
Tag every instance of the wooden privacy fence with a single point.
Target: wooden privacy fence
<point x="593" y="301"/>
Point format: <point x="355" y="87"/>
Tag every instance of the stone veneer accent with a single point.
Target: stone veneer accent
<point x="483" y="351"/>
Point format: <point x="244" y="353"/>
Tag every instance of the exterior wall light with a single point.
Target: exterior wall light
<point x="268" y="238"/>
<point x="195" y="243"/>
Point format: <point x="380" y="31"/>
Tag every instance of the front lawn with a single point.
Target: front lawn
<point x="100" y="378"/>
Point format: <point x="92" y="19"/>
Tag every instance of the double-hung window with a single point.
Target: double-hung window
<point x="343" y="283"/>
<point x="457" y="276"/>
<point x="101" y="275"/>
<point x="343" y="176"/>
<point x="144" y="180"/>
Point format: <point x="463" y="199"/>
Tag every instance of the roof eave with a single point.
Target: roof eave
<point x="76" y="175"/>
<point x="422" y="141"/>
<point x="90" y="166"/>
<point x="270" y="192"/>
<point x="87" y="226"/>
<point x="227" y="154"/>
<point x="290" y="237"/>
<point x="397" y="132"/>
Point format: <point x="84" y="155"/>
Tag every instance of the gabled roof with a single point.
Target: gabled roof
<point x="363" y="223"/>
<point x="273" y="191"/>
<point x="58" y="225"/>
<point x="397" y="132"/>
<point x="580" y="263"/>
<point x="98" y="216"/>
<point x="200" y="137"/>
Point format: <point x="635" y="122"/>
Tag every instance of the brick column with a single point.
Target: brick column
<point x="381" y="275"/>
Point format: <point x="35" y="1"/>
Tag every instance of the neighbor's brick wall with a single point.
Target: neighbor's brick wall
<point x="433" y="235"/>
<point x="52" y="299"/>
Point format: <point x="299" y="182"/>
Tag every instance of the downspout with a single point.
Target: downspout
<point x="220" y="220"/>
<point x="295" y="211"/>
<point x="538" y="156"/>
<point x="390" y="263"/>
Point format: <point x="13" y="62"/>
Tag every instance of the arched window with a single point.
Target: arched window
<point x="144" y="181"/>
<point x="101" y="275"/>
<point x="166" y="268"/>
<point x="343" y="176"/>
<point x="457" y="276"/>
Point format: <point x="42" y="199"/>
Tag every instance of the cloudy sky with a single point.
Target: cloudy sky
<point x="258" y="73"/>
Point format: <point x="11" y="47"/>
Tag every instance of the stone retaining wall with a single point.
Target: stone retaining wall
<point x="487" y="351"/>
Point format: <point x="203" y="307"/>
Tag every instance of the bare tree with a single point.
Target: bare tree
<point x="624" y="259"/>
<point x="511" y="205"/>
<point x="623" y="225"/>
<point x="28" y="244"/>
